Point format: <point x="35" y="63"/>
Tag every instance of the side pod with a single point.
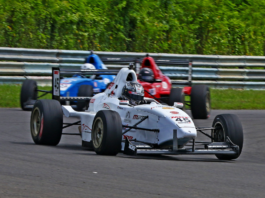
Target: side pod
<point x="68" y="111"/>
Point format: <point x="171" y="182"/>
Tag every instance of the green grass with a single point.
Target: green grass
<point x="220" y="98"/>
<point x="237" y="99"/>
<point x="10" y="95"/>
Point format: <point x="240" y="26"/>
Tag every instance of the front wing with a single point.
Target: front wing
<point x="224" y="148"/>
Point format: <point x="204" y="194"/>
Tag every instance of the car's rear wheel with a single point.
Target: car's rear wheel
<point x="107" y="132"/>
<point x="228" y="125"/>
<point x="46" y="122"/>
<point x="28" y="92"/>
<point x="176" y="95"/>
<point x="200" y="102"/>
<point x="84" y="91"/>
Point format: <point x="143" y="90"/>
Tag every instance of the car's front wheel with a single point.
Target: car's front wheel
<point x="107" y="132"/>
<point x="228" y="125"/>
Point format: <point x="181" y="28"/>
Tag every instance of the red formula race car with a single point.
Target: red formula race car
<point x="158" y="86"/>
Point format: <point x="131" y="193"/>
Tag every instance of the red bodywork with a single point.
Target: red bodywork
<point x="162" y="85"/>
<point x="187" y="90"/>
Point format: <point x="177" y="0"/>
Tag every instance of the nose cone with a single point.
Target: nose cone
<point x="186" y="132"/>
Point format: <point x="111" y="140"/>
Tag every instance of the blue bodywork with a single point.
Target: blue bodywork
<point x="70" y="86"/>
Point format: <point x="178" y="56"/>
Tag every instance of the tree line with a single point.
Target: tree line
<point x="225" y="27"/>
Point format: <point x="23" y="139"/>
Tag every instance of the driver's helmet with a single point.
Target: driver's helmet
<point x="134" y="92"/>
<point x="146" y="74"/>
<point x="87" y="66"/>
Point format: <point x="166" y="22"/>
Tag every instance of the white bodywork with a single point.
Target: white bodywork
<point x="161" y="117"/>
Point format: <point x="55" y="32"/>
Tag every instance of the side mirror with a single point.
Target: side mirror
<point x="178" y="105"/>
<point x="99" y="77"/>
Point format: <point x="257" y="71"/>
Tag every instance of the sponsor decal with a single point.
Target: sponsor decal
<point x="118" y="107"/>
<point x="128" y="114"/>
<point x="137" y="117"/>
<point x="154" y="107"/>
<point x="152" y="91"/>
<point x="106" y="106"/>
<point x="168" y="108"/>
<point x="127" y="120"/>
<point x="182" y="119"/>
<point x="164" y="85"/>
<point x="127" y="117"/>
<point x="127" y="136"/>
<point x="135" y="93"/>
<point x="124" y="102"/>
<point x="106" y="81"/>
<point x="85" y="128"/>
<point x="95" y="84"/>
<point x="174" y="112"/>
<point x="158" y="85"/>
<point x="96" y="90"/>
<point x="92" y="100"/>
<point x="132" y="147"/>
<point x="56" y="83"/>
<point x="110" y="85"/>
<point x="64" y="86"/>
<point x="67" y="80"/>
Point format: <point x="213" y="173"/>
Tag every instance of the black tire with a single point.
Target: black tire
<point x="85" y="91"/>
<point x="46" y="122"/>
<point x="28" y="91"/>
<point x="228" y="125"/>
<point x="176" y="95"/>
<point x="200" y="102"/>
<point x="107" y="133"/>
<point x="108" y="85"/>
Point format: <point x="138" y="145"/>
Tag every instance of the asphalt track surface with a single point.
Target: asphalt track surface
<point x="68" y="170"/>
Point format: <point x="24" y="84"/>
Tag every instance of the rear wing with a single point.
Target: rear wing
<point x="173" y="62"/>
<point x="159" y="62"/>
<point x="57" y="73"/>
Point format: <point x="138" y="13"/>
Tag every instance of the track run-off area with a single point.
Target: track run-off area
<point x="69" y="170"/>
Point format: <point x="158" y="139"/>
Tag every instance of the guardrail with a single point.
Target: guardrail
<point x="213" y="70"/>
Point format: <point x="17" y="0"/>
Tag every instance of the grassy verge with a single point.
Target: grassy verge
<point x="10" y="95"/>
<point x="220" y="99"/>
<point x="237" y="99"/>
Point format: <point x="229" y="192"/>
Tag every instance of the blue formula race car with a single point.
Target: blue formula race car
<point x="78" y="85"/>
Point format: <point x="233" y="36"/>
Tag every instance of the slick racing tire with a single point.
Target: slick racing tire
<point x="107" y="132"/>
<point x="28" y="92"/>
<point x="228" y="125"/>
<point x="46" y="122"/>
<point x="200" y="102"/>
<point x="84" y="91"/>
<point x="176" y="95"/>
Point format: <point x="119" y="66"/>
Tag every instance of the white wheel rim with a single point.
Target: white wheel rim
<point x="97" y="133"/>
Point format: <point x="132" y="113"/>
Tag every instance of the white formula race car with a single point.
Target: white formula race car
<point x="112" y="124"/>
